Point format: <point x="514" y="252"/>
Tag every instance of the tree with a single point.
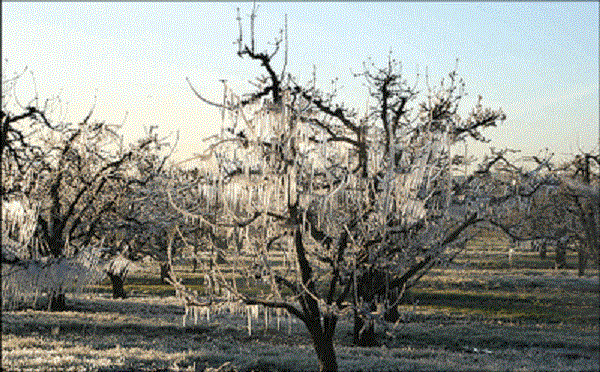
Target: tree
<point x="145" y="220"/>
<point x="18" y="147"/>
<point x="135" y="229"/>
<point x="580" y="186"/>
<point x="562" y="209"/>
<point x="74" y="174"/>
<point x="357" y="208"/>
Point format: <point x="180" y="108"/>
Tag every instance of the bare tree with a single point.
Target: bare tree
<point x="406" y="154"/>
<point x="145" y="220"/>
<point x="337" y="213"/>
<point x="74" y="174"/>
<point x="581" y="187"/>
<point x="562" y="211"/>
<point x="25" y="273"/>
<point x="20" y="125"/>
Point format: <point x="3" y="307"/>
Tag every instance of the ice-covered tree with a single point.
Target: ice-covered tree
<point x="145" y="220"/>
<point x="334" y="211"/>
<point x="581" y="187"/>
<point x="562" y="210"/>
<point x="73" y="176"/>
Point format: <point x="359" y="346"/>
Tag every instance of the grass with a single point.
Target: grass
<point x="478" y="315"/>
<point x="141" y="283"/>
<point x="123" y="339"/>
<point x="535" y="306"/>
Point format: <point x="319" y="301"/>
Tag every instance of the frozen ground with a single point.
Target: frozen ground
<point x="146" y="334"/>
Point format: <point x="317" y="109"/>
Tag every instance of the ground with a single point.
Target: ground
<point x="460" y="318"/>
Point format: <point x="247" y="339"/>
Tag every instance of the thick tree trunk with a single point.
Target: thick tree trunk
<point x="57" y="302"/>
<point x="117" y="286"/>
<point x="368" y="290"/>
<point x="326" y="356"/>
<point x="164" y="271"/>
<point x="323" y="347"/>
<point x="321" y="333"/>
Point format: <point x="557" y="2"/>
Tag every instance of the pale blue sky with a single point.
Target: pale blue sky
<point x="537" y="61"/>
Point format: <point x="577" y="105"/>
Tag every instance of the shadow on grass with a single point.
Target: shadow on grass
<point x="499" y="306"/>
<point x="67" y="328"/>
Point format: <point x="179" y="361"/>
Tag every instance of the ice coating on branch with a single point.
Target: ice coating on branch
<point x="25" y="274"/>
<point x="19" y="219"/>
<point x="24" y="281"/>
<point x="320" y="192"/>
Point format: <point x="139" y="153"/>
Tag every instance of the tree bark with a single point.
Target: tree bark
<point x="543" y="251"/>
<point x="561" y="251"/>
<point x="164" y="271"/>
<point x="582" y="258"/>
<point x="368" y="289"/>
<point x="118" y="290"/>
<point x="323" y="344"/>
<point x="57" y="302"/>
<point x="321" y="334"/>
<point x="392" y="314"/>
<point x="194" y="264"/>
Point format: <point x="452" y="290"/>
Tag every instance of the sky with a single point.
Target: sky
<point x="130" y="60"/>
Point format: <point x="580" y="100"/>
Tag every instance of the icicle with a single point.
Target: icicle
<point x="249" y="316"/>
<point x="266" y="318"/>
<point x="232" y="307"/>
<point x="278" y="314"/>
<point x="286" y="197"/>
<point x="185" y="315"/>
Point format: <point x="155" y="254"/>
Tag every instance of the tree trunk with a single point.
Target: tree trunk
<point x="367" y="337"/>
<point x="392" y="314"/>
<point x="117" y="286"/>
<point x="561" y="250"/>
<point x="543" y="251"/>
<point x="57" y="302"/>
<point x="194" y="264"/>
<point x="582" y="258"/>
<point x="323" y="347"/>
<point x="164" y="271"/>
<point x="321" y="334"/>
<point x="368" y="282"/>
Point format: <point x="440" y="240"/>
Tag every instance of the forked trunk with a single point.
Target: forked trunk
<point x="320" y="326"/>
